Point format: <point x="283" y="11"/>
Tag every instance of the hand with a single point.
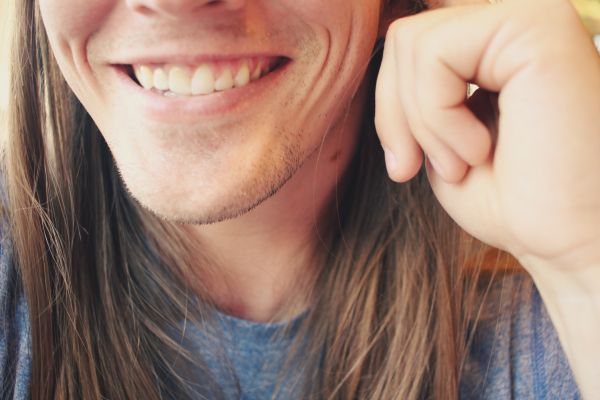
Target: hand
<point x="528" y="181"/>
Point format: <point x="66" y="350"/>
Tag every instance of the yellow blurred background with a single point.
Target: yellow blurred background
<point x="590" y="14"/>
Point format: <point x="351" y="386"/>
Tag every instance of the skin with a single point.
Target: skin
<point x="524" y="180"/>
<point x="251" y="173"/>
<point x="212" y="169"/>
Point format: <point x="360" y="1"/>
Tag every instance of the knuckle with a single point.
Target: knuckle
<point x="396" y="28"/>
<point x="401" y="35"/>
<point x="427" y="50"/>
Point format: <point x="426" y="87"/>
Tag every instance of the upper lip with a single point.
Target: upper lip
<point x="188" y="59"/>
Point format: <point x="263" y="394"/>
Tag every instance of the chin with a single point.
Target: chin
<point x="187" y="211"/>
<point x="195" y="199"/>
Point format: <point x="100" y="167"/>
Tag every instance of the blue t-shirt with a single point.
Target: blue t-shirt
<point x="515" y="353"/>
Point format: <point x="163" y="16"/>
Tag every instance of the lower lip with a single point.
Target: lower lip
<point x="189" y="109"/>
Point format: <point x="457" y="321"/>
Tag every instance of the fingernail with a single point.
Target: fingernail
<point x="391" y="161"/>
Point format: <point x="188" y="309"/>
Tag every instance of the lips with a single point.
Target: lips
<point x="211" y="89"/>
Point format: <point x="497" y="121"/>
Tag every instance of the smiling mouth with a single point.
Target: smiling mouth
<point x="202" y="79"/>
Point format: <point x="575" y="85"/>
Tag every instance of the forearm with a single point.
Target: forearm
<point x="573" y="303"/>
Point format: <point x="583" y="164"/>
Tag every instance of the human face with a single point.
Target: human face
<point x="210" y="157"/>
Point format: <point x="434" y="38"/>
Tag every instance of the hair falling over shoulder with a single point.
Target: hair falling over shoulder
<point x="107" y="284"/>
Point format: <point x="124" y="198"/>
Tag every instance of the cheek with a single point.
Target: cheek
<point x="322" y="12"/>
<point x="69" y="24"/>
<point x="349" y="26"/>
<point x="337" y="15"/>
<point x="69" y="20"/>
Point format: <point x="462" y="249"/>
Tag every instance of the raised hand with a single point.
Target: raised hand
<point x="528" y="181"/>
<point x="517" y="165"/>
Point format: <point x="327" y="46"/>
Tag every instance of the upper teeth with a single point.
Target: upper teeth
<point x="206" y="78"/>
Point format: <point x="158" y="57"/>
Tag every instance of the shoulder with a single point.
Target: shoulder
<point x="15" y="353"/>
<point x="514" y="350"/>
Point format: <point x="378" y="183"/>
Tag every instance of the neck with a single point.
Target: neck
<point x="265" y="261"/>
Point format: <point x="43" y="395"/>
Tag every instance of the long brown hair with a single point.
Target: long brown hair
<point x="106" y="284"/>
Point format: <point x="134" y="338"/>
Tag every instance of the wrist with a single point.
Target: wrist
<point x="567" y="282"/>
<point x="572" y="299"/>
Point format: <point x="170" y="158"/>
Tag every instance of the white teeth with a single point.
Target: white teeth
<point x="225" y="81"/>
<point x="242" y="78"/>
<point x="203" y="81"/>
<point x="183" y="80"/>
<point x="161" y="80"/>
<point x="257" y="72"/>
<point x="180" y="81"/>
<point x="145" y="76"/>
